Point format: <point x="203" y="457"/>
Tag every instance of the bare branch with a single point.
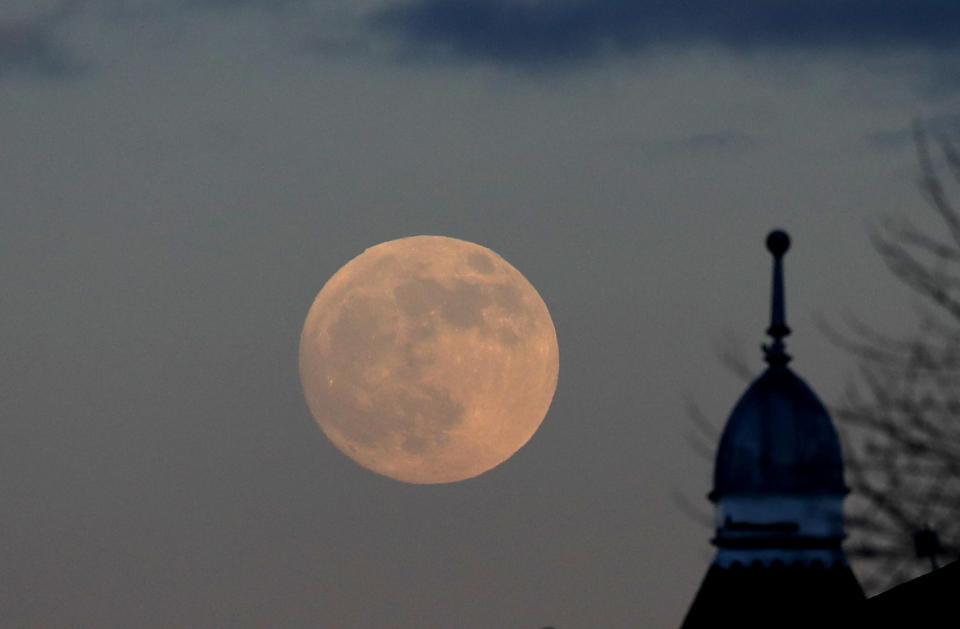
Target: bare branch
<point x="900" y="418"/>
<point x="931" y="185"/>
<point x="951" y="155"/>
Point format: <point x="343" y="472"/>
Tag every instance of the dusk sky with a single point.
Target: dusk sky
<point x="180" y="177"/>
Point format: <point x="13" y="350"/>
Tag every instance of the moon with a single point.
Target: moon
<point x="428" y="359"/>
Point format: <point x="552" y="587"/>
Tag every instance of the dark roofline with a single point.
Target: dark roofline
<point x="927" y="601"/>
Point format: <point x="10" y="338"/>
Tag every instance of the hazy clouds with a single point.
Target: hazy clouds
<point x="542" y="34"/>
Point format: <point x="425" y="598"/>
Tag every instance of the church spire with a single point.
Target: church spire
<point x="778" y="492"/>
<point x="778" y="242"/>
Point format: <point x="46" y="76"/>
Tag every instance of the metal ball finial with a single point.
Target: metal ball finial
<point x="778" y="241"/>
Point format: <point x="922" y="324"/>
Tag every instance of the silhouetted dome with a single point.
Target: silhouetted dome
<point x="779" y="439"/>
<point x="778" y="485"/>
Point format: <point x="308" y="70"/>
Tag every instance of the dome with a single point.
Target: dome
<point x="779" y="439"/>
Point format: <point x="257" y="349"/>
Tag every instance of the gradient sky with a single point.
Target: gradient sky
<point x="179" y="178"/>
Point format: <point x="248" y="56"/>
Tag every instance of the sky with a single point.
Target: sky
<point x="179" y="178"/>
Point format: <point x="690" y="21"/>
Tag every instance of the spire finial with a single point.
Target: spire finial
<point x="775" y="353"/>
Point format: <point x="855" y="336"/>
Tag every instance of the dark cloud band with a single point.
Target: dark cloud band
<point x="508" y="31"/>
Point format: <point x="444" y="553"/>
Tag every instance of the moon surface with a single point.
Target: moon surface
<point x="428" y="359"/>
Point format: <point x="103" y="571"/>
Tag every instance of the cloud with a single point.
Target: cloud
<point x="226" y="5"/>
<point x="709" y="144"/>
<point x="719" y="141"/>
<point x="553" y="32"/>
<point x="158" y="8"/>
<point x="30" y="46"/>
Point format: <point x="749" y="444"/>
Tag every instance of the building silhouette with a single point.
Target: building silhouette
<point x="929" y="600"/>
<point x="778" y="493"/>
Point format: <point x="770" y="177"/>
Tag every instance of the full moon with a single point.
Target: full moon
<point x="428" y="359"/>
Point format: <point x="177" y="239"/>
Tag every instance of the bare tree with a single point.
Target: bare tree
<point x="900" y="418"/>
